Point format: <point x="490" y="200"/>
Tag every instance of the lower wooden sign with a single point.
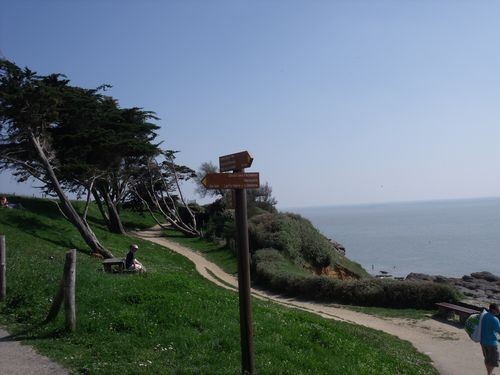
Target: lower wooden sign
<point x="231" y="180"/>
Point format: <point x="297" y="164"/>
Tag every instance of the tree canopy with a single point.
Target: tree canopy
<point x="100" y="147"/>
<point x="30" y="106"/>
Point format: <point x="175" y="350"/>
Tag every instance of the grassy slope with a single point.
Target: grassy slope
<point x="169" y="320"/>
<point x="225" y="259"/>
<point x="220" y="255"/>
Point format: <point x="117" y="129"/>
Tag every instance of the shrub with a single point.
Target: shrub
<point x="270" y="271"/>
<point x="219" y="225"/>
<point x="298" y="240"/>
<point x="292" y="235"/>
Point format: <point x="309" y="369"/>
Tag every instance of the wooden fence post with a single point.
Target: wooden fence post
<point x="66" y="293"/>
<point x="3" y="276"/>
<point x="69" y="290"/>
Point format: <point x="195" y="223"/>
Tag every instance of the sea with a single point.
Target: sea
<point x="450" y="238"/>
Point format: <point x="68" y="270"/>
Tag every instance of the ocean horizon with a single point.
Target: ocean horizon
<point x="451" y="238"/>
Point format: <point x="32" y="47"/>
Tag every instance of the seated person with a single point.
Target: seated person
<point x="4" y="202"/>
<point x="131" y="263"/>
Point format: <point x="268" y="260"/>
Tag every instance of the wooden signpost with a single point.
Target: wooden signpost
<point x="239" y="181"/>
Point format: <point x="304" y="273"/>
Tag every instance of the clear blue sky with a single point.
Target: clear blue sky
<point x="338" y="101"/>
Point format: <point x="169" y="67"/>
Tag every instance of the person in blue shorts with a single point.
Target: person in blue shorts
<point x="490" y="326"/>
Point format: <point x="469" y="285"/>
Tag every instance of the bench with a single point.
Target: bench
<point x="117" y="264"/>
<point x="447" y="310"/>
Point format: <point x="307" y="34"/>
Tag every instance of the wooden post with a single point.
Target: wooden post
<point x="66" y="293"/>
<point x="69" y="290"/>
<point x="239" y="181"/>
<point x="3" y="277"/>
<point x="247" y="362"/>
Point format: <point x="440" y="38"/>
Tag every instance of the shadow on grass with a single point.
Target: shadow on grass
<point x="29" y="224"/>
<point x="30" y="334"/>
<point x="38" y="206"/>
<point x="37" y="228"/>
<point x="219" y="249"/>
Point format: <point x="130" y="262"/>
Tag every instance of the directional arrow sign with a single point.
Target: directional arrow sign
<point x="234" y="162"/>
<point x="231" y="180"/>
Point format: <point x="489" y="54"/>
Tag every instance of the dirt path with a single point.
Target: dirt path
<point x="17" y="359"/>
<point x="450" y="349"/>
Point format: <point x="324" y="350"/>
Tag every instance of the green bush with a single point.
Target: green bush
<point x="292" y="235"/>
<point x="269" y="268"/>
<point x="298" y="240"/>
<point x="217" y="222"/>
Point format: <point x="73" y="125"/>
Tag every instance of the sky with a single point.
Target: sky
<point x="339" y="102"/>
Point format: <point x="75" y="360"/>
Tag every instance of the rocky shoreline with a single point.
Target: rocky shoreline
<point x="479" y="288"/>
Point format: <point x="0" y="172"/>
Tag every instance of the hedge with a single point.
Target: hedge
<point x="268" y="272"/>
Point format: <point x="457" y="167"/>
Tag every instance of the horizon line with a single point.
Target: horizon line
<point x="426" y="200"/>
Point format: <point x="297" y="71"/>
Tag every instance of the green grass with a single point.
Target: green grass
<point x="220" y="255"/>
<point x="170" y="320"/>
<point x="392" y="313"/>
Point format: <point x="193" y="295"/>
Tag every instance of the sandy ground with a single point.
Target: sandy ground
<point x="449" y="347"/>
<point x="17" y="359"/>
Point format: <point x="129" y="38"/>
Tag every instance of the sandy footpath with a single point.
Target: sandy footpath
<point x="17" y="359"/>
<point x="449" y="347"/>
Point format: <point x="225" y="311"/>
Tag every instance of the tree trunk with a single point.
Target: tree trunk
<point x="116" y="225"/>
<point x="98" y="201"/>
<point x="112" y="216"/>
<point x="66" y="206"/>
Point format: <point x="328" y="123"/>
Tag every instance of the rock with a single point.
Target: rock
<point x="339" y="248"/>
<point x="419" y="277"/>
<point x="441" y="279"/>
<point x="476" y="287"/>
<point x="488" y="276"/>
<point x="480" y="288"/>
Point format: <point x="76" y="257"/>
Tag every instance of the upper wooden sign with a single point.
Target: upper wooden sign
<point x="235" y="162"/>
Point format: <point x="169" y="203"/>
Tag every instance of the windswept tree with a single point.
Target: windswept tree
<point x="30" y="106"/>
<point x="206" y="168"/>
<point x="262" y="198"/>
<point x="158" y="187"/>
<point x="101" y="146"/>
